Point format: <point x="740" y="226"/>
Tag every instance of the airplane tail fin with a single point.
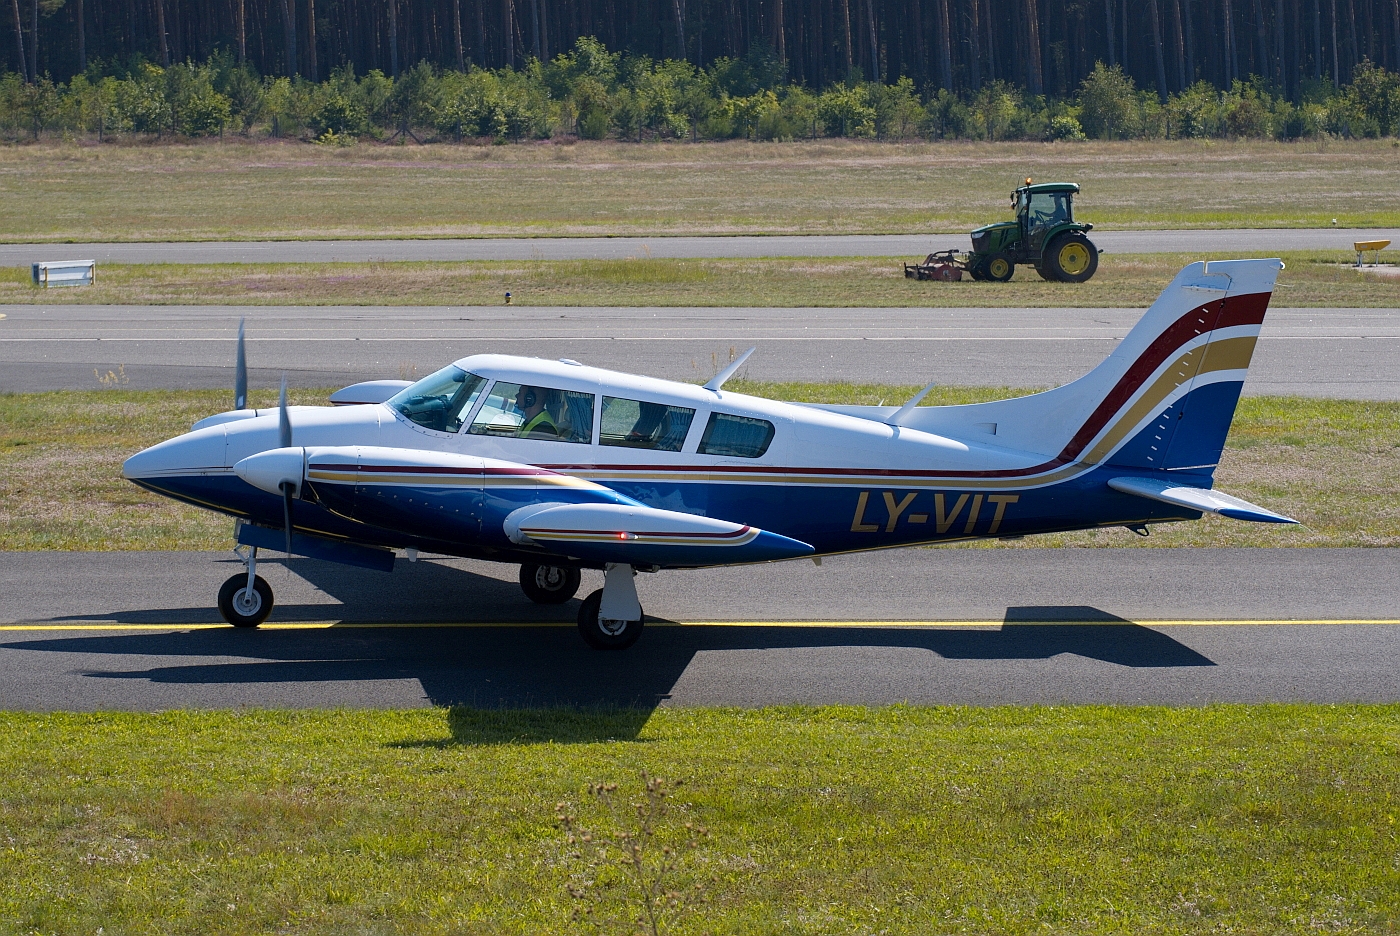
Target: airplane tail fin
<point x="1183" y="407"/>
<point x="1163" y="400"/>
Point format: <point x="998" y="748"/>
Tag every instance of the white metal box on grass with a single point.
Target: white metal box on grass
<point x="64" y="273"/>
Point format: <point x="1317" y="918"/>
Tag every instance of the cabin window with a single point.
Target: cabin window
<point x="523" y="411"/>
<point x="1048" y="208"/>
<point x="638" y="424"/>
<point x="440" y="400"/>
<point x="736" y="436"/>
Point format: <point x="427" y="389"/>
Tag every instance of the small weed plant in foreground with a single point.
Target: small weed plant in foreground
<point x="628" y="868"/>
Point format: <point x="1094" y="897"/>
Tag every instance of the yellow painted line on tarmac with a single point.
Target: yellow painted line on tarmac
<point x="915" y="625"/>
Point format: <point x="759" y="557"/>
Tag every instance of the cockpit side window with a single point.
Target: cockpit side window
<point x="441" y="400"/>
<point x="522" y="411"/>
<point x="736" y="436"/>
<point x="639" y="424"/>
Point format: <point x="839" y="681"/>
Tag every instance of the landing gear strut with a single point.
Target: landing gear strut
<point x="245" y="600"/>
<point x="611" y="618"/>
<point x="545" y="584"/>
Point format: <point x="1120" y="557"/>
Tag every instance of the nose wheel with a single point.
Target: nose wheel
<point x="245" y="600"/>
<point x="243" y="608"/>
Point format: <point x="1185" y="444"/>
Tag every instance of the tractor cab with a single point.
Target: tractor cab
<point x="1041" y="209"/>
<point x="1044" y="235"/>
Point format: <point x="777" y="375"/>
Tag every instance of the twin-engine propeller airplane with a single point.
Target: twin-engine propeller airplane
<point x="561" y="467"/>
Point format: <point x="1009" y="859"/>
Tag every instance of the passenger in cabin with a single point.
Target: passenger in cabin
<point x="533" y="406"/>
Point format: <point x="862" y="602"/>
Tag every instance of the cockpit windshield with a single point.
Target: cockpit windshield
<point x="440" y="401"/>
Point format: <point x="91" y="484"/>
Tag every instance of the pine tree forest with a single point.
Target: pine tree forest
<point x="1044" y="46"/>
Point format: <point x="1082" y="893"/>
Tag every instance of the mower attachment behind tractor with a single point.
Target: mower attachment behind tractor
<point x="945" y="265"/>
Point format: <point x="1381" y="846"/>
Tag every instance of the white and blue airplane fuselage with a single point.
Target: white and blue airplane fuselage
<point x="558" y="466"/>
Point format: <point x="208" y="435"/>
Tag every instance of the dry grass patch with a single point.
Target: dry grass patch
<point x="1333" y="464"/>
<point x="1312" y="279"/>
<point x="287" y="189"/>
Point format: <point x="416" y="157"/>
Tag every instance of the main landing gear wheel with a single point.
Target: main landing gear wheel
<point x="242" y="608"/>
<point x="603" y="634"/>
<point x="1072" y="258"/>
<point x="546" y="584"/>
<point x="999" y="267"/>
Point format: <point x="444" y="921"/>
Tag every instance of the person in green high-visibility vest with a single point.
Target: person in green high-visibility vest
<point x="538" y="423"/>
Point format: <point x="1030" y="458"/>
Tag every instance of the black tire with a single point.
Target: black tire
<point x="999" y="267"/>
<point x="1071" y="258"/>
<point x="976" y="271"/>
<point x="1046" y="275"/>
<point x="606" y="635"/>
<point x="547" y="584"/>
<point x="245" y="614"/>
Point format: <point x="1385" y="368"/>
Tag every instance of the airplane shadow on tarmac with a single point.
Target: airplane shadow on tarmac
<point x="517" y="663"/>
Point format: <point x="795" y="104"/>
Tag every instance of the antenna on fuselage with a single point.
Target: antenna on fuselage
<point x="240" y="374"/>
<point x="908" y="408"/>
<point x="718" y="380"/>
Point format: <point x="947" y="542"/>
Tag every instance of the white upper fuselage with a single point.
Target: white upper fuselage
<point x="804" y="436"/>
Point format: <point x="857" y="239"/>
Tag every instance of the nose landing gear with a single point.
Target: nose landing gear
<point x="245" y="600"/>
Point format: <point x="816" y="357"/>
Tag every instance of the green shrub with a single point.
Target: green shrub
<point x="502" y="105"/>
<point x="339" y="115"/>
<point x="1245" y="111"/>
<point x="1064" y="127"/>
<point x="1108" y="104"/>
<point x="595" y="93"/>
<point x="846" y="111"/>
<point x="1194" y="112"/>
<point x="138" y="104"/>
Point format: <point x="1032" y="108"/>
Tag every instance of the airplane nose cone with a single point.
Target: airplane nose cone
<point x="192" y="452"/>
<point x="268" y="471"/>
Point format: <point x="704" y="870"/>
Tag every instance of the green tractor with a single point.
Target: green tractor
<point x="1044" y="235"/>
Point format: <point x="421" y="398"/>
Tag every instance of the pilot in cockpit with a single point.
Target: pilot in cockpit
<point x="533" y="405"/>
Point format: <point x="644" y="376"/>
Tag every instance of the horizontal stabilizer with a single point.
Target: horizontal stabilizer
<point x="1196" y="498"/>
<point x="646" y="536"/>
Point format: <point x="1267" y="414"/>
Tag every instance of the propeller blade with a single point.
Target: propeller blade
<point x="240" y="374"/>
<point x="287" y="515"/>
<point x="284" y="419"/>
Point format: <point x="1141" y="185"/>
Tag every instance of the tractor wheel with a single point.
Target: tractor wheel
<point x="975" y="270"/>
<point x="1071" y="258"/>
<point x="1046" y="275"/>
<point x="999" y="267"/>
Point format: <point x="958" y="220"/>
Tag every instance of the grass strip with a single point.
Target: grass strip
<point x="1312" y="279"/>
<point x="275" y="189"/>
<point x="1330" y="463"/>
<point x="1006" y="820"/>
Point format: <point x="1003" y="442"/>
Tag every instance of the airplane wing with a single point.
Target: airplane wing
<point x="1196" y="498"/>
<point x="646" y="536"/>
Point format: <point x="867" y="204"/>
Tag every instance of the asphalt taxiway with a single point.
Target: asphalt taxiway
<point x="92" y="631"/>
<point x="1339" y="353"/>
<point x="1261" y="242"/>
